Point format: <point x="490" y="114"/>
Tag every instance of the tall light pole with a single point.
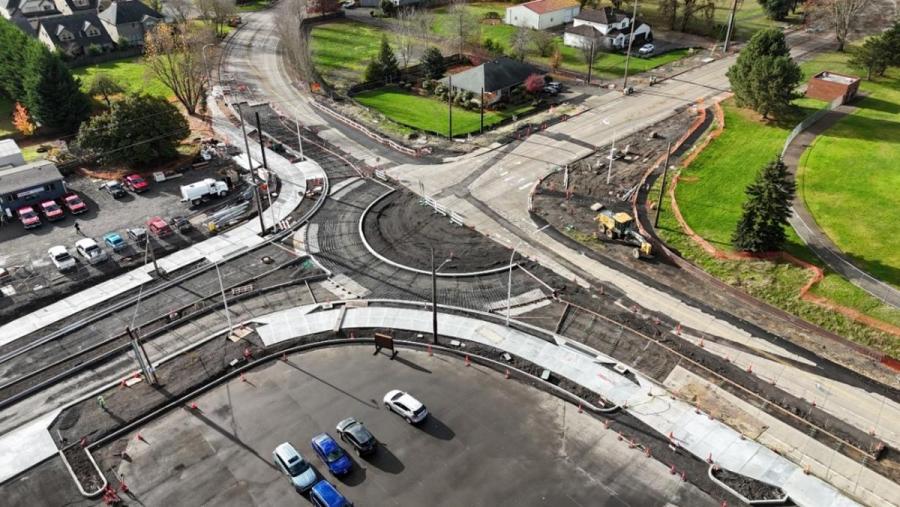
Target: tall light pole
<point x="630" y="41"/>
<point x="434" y="270"/>
<point x="730" y="26"/>
<point x="450" y="102"/>
<point x="662" y="187"/>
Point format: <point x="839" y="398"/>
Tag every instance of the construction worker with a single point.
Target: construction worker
<point x="102" y="402"/>
<point x="78" y="228"/>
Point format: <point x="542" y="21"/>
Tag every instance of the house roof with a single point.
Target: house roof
<point x="602" y="16"/>
<point x="584" y="31"/>
<point x="24" y="24"/>
<point x="545" y="6"/>
<point x="76" y="24"/>
<point x="27" y="176"/>
<point x="91" y="5"/>
<point x="14" y="7"/>
<point x="492" y="76"/>
<point x="128" y="11"/>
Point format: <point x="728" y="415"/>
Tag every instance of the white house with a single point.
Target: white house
<point x="607" y="27"/>
<point x="542" y="14"/>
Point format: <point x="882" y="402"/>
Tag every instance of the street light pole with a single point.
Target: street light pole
<point x="299" y="139"/>
<point x="262" y="148"/>
<point x="509" y="280"/>
<point x="434" y="330"/>
<point x="630" y="41"/>
<point x="612" y="150"/>
<point x="450" y="102"/>
<point x="730" y="26"/>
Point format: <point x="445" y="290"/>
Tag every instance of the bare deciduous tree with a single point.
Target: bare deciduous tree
<point x="518" y="43"/>
<point x="845" y="17"/>
<point x="180" y="9"/>
<point x="422" y="22"/>
<point x="544" y="41"/>
<point x="465" y="27"/>
<point x="288" y="27"/>
<point x="174" y="54"/>
<point x="217" y="13"/>
<point x="406" y="37"/>
<point x="590" y="51"/>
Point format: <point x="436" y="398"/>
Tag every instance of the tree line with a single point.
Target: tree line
<point x="37" y="78"/>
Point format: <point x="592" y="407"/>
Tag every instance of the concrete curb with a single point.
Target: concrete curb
<point x="775" y="501"/>
<point x="362" y="236"/>
<point x="81" y="490"/>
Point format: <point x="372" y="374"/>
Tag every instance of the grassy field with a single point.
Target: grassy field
<point x="130" y="73"/>
<point x="710" y="194"/>
<point x="6" y="108"/>
<point x="749" y="19"/>
<point x="849" y="177"/>
<point x="429" y="114"/>
<point x="341" y="51"/>
<point x="253" y="5"/>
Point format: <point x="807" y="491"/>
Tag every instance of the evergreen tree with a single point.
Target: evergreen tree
<point x="764" y="76"/>
<point x="777" y="9"/>
<point x="766" y="210"/>
<point x="387" y="62"/>
<point x="138" y="129"/>
<point x="104" y="85"/>
<point x="54" y="97"/>
<point x="433" y="61"/>
<point x="13" y="46"/>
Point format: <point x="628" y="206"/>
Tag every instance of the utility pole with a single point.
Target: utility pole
<point x="662" y="187"/>
<point x="142" y="358"/>
<point x="299" y="140"/>
<point x="224" y="300"/>
<point x="262" y="148"/>
<point x="730" y="26"/>
<point x="630" y="42"/>
<point x="612" y="151"/>
<point x="591" y="63"/>
<point x="434" y="330"/>
<point x="253" y="175"/>
<point x="482" y="111"/>
<point x="450" y="102"/>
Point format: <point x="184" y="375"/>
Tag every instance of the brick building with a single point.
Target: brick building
<point x="828" y="86"/>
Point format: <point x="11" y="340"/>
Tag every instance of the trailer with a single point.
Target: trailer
<point x="195" y="193"/>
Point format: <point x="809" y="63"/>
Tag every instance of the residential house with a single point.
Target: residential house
<point x="128" y="20"/>
<point x="495" y="78"/>
<point x="27" y="8"/>
<point x="29" y="184"/>
<point x="75" y="35"/>
<point x="542" y="14"/>
<point x="607" y="27"/>
<point x="73" y="6"/>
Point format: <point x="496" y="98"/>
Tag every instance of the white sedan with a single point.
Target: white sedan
<point x="407" y="407"/>
<point x="646" y="49"/>
<point x="61" y="258"/>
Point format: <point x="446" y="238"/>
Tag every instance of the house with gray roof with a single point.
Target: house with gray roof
<point x="127" y="21"/>
<point x="28" y="184"/>
<point x="495" y="78"/>
<point x="27" y="8"/>
<point x="75" y="35"/>
<point x="73" y="6"/>
<point x="606" y="28"/>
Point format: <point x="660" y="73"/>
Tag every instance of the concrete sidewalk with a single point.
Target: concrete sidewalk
<point x="696" y="433"/>
<point x="32" y="438"/>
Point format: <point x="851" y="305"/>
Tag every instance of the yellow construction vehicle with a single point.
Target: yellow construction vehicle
<point x="621" y="226"/>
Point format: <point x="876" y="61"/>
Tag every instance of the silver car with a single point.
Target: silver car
<point x="292" y="464"/>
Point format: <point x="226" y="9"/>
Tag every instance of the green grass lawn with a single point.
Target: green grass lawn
<point x="749" y="19"/>
<point x="6" y="109"/>
<point x="341" y="51"/>
<point x="429" y="114"/>
<point x="253" y="5"/>
<point x="130" y="73"/>
<point x="710" y="194"/>
<point x="850" y="176"/>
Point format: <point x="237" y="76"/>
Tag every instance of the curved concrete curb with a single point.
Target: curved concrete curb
<point x="362" y="236"/>
<point x="88" y="494"/>
<point x="774" y="501"/>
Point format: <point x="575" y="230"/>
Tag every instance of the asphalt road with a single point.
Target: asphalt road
<point x="506" y="444"/>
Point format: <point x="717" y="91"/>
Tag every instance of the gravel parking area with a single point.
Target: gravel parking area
<point x="507" y="445"/>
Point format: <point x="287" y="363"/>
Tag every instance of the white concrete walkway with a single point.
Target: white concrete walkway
<point x="696" y="433"/>
<point x="33" y="438"/>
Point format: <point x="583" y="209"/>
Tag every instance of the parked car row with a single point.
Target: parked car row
<point x="51" y="210"/>
<point x="353" y="432"/>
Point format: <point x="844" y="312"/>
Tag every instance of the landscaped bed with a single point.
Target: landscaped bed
<point x="429" y="114"/>
<point x="710" y="193"/>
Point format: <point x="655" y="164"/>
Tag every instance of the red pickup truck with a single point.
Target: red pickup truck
<point x="74" y="203"/>
<point x="29" y="218"/>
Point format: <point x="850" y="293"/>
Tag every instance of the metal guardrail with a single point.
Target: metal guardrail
<point x="365" y="130"/>
<point x="810" y="120"/>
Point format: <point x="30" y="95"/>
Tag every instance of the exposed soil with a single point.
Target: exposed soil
<point x="752" y="489"/>
<point x="402" y="228"/>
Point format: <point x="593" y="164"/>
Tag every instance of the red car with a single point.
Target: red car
<point x="158" y="227"/>
<point x="74" y="203"/>
<point x="52" y="211"/>
<point x="29" y="218"/>
<point x="136" y="183"/>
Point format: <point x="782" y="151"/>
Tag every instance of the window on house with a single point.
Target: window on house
<point x="47" y="7"/>
<point x="92" y="32"/>
<point x="66" y="36"/>
<point x="81" y="3"/>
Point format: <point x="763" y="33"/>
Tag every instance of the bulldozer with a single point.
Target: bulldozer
<point x="620" y="226"/>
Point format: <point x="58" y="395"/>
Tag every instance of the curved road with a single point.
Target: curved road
<point x="810" y="232"/>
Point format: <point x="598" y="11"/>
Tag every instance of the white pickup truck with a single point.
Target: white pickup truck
<point x="195" y="193"/>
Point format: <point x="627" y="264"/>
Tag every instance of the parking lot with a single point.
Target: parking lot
<point x="27" y="249"/>
<point x="488" y="441"/>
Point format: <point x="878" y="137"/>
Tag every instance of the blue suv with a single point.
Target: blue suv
<point x="331" y="454"/>
<point x="324" y="494"/>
